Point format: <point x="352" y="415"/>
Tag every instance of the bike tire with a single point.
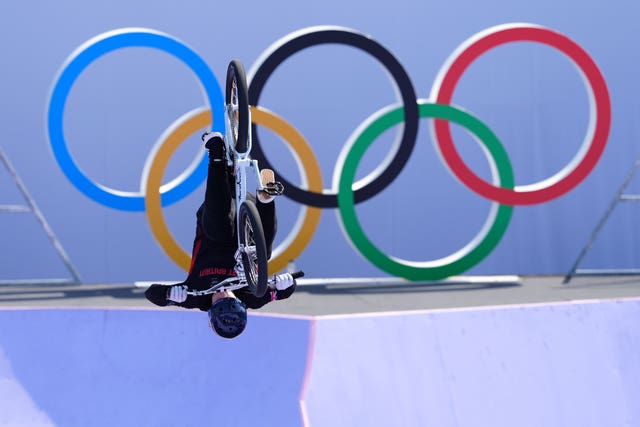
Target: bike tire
<point x="251" y="233"/>
<point x="237" y="101"/>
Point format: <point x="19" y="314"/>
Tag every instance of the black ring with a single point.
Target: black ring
<point x="315" y="36"/>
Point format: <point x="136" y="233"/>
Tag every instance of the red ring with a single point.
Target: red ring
<point x="495" y="37"/>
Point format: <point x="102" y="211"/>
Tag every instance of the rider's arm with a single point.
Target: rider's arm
<point x="251" y="301"/>
<point x="157" y="294"/>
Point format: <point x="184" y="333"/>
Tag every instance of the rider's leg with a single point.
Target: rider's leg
<point x="267" y="210"/>
<point x="269" y="221"/>
<point x="218" y="211"/>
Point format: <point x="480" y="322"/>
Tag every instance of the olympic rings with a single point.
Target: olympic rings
<point x="295" y="42"/>
<point x="76" y="64"/>
<point x="479" y="247"/>
<point x="599" y="120"/>
<point x="501" y="191"/>
<point x="197" y="119"/>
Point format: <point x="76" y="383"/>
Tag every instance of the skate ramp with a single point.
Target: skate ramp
<point x="563" y="364"/>
<point x="555" y="364"/>
<point x="147" y="368"/>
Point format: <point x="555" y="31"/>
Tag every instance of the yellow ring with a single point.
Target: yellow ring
<point x="196" y="120"/>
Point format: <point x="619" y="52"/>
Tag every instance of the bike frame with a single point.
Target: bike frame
<point x="243" y="165"/>
<point x="237" y="140"/>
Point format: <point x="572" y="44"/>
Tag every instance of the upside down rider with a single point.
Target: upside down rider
<point x="214" y="255"/>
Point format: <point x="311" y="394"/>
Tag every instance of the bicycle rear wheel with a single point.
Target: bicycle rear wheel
<point x="255" y="263"/>
<point x="237" y="102"/>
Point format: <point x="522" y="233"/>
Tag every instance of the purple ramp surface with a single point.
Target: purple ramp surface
<point x="148" y="368"/>
<point x="566" y="364"/>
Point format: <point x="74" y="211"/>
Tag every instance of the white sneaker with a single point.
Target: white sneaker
<point x="272" y="188"/>
<point x="214" y="142"/>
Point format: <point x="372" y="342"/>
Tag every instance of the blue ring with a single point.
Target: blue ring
<point x="77" y="62"/>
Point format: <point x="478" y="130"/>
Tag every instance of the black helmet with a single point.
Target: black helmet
<point x="228" y="317"/>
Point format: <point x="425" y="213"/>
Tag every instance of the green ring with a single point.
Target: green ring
<point x="476" y="250"/>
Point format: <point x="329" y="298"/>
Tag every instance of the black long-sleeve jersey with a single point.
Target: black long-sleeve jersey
<point x="157" y="294"/>
<point x="212" y="262"/>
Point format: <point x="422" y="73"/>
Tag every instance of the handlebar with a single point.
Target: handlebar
<point x="297" y="274"/>
<point x="233" y="283"/>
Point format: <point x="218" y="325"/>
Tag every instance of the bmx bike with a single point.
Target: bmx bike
<point x="252" y="252"/>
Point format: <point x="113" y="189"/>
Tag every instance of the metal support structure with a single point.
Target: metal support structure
<point x="31" y="207"/>
<point x="619" y="197"/>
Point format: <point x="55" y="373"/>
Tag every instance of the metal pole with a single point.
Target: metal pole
<point x="618" y="197"/>
<point x="43" y="222"/>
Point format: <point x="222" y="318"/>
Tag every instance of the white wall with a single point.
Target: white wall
<point x="528" y="94"/>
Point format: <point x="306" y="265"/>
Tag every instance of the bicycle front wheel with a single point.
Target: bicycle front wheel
<point x="237" y="102"/>
<point x="255" y="262"/>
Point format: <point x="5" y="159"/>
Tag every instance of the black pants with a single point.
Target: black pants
<point x="217" y="215"/>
